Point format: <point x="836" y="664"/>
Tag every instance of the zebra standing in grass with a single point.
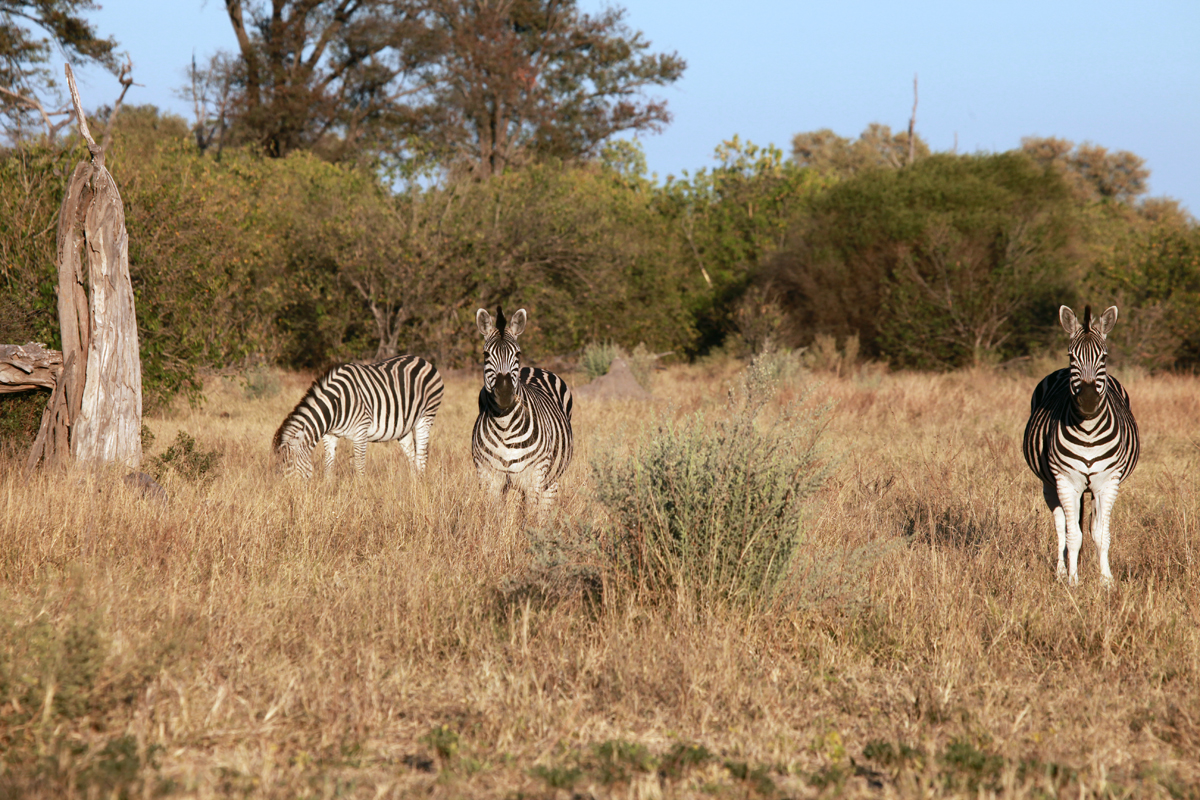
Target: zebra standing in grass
<point x="393" y="399"/>
<point x="522" y="437"/>
<point x="1081" y="437"/>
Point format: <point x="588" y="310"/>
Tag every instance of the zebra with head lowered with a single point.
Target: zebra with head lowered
<point x="393" y="399"/>
<point x="522" y="437"/>
<point x="1081" y="437"/>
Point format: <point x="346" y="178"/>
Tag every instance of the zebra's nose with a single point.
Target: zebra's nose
<point x="503" y="389"/>
<point x="1089" y="396"/>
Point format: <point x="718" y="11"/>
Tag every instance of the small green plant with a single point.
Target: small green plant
<point x="185" y="459"/>
<point x="711" y="508"/>
<point x="558" y="776"/>
<point x="682" y="757"/>
<point x="617" y="760"/>
<point x="965" y="766"/>
<point x="259" y="383"/>
<point x="444" y="740"/>
<point x="598" y="357"/>
<point x="757" y="779"/>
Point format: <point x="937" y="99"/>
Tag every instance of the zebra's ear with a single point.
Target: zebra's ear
<point x="1106" y="321"/>
<point x="483" y="320"/>
<point x="516" y="325"/>
<point x="1067" y="317"/>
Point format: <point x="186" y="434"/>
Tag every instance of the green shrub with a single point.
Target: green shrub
<point x="711" y="509"/>
<point x="184" y="458"/>
<point x="259" y="383"/>
<point x="598" y="357"/>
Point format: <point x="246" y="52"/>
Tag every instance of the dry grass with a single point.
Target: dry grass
<point x="396" y="636"/>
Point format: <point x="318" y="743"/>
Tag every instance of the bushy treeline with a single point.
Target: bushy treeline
<point x="946" y="261"/>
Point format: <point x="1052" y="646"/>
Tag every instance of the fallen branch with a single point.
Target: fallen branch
<point x="24" y="367"/>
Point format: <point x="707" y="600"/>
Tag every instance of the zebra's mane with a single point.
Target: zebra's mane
<point x="1087" y="318"/>
<point x="289" y="420"/>
<point x="501" y="322"/>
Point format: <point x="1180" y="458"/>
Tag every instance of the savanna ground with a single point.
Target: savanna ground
<point x="396" y="636"/>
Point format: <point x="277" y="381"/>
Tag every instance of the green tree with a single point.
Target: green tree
<point x="875" y="148"/>
<point x="1093" y="172"/>
<point x="1153" y="275"/>
<point x="954" y="260"/>
<point x="329" y="75"/>
<point x="29" y="32"/>
<point x="731" y="220"/>
<point x="536" y="78"/>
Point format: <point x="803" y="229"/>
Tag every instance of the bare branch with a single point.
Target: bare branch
<point x="93" y="148"/>
<point x="52" y="128"/>
<point x="126" y="79"/>
<point x="912" y="124"/>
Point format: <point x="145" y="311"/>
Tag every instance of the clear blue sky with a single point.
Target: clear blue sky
<point x="1122" y="75"/>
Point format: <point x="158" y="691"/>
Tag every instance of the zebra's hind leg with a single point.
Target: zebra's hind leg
<point x="330" y="441"/>
<point x="421" y="433"/>
<point x="408" y="445"/>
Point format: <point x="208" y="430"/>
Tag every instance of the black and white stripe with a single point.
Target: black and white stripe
<point x="395" y="399"/>
<point x="522" y="437"/>
<point x="1081" y="437"/>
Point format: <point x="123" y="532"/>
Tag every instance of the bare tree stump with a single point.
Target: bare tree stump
<point x="97" y="403"/>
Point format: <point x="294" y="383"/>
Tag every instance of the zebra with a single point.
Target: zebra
<point x="1082" y="437"/>
<point x="393" y="399"/>
<point x="522" y="438"/>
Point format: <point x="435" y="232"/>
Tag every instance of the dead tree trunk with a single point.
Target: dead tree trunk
<point x="95" y="413"/>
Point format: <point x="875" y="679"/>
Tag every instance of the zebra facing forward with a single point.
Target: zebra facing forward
<point x="522" y="437"/>
<point x="393" y="399"/>
<point x="1081" y="437"/>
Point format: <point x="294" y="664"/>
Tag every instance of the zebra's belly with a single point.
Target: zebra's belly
<point x="511" y="458"/>
<point x="1088" y="466"/>
<point x="372" y="431"/>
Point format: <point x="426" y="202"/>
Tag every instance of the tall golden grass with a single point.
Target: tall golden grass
<point x="395" y="635"/>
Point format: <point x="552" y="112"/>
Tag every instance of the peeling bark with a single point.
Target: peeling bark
<point x="95" y="412"/>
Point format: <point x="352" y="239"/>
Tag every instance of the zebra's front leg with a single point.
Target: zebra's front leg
<point x="330" y="441"/>
<point x="1071" y="535"/>
<point x="1050" y="494"/>
<point x="541" y="500"/>
<point x="1101" y="535"/>
<point x="492" y="481"/>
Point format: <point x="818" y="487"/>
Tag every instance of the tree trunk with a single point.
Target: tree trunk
<point x="97" y="404"/>
<point x="108" y="427"/>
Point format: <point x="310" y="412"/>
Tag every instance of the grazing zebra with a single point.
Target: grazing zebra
<point x="393" y="399"/>
<point x="522" y="437"/>
<point x="1081" y="437"/>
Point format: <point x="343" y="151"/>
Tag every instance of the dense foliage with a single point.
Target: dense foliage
<point x="950" y="260"/>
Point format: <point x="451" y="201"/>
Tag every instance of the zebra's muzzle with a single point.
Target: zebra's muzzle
<point x="1088" y="399"/>
<point x="503" y="391"/>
